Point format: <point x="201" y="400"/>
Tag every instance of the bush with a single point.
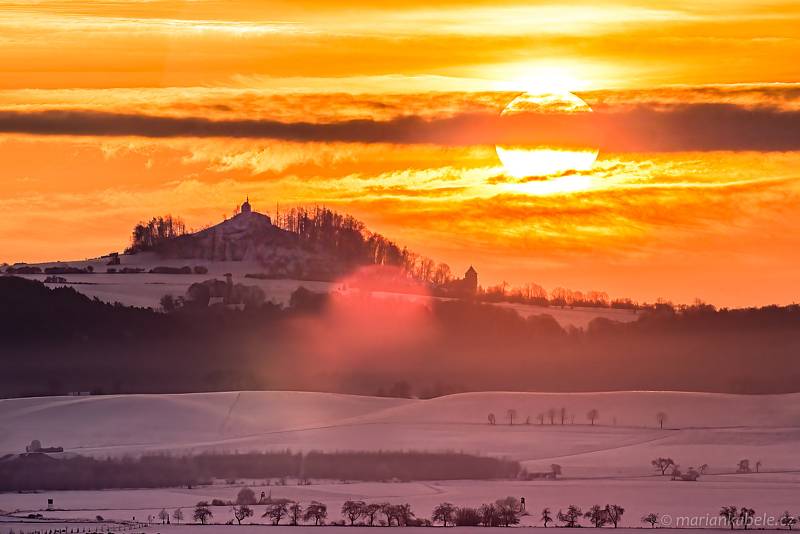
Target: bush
<point x="246" y="496"/>
<point x="171" y="270"/>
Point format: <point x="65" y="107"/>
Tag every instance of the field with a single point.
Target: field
<point x="608" y="462"/>
<point x="146" y="290"/>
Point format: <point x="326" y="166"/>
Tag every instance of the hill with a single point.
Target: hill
<point x="701" y="428"/>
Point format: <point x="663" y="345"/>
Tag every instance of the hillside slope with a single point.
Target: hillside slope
<point x="702" y="428"/>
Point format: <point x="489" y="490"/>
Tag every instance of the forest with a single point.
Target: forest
<point x="386" y="346"/>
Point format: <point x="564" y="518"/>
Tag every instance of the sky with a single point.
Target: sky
<point x="113" y="112"/>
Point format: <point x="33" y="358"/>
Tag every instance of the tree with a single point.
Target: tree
<point x="492" y="419"/>
<point x="729" y="514"/>
<point x="546" y="517"/>
<point x="651" y="518"/>
<point x="540" y="418"/>
<point x="614" y="513"/>
<point x="744" y="466"/>
<point x="467" y="517"/>
<point x="661" y="418"/>
<point x="556" y="470"/>
<point x="316" y="511"/>
<point x="788" y="520"/>
<point x="402" y="514"/>
<point x="371" y="511"/>
<point x="596" y="515"/>
<point x="277" y="511"/>
<point x="202" y="512"/>
<point x="242" y="512"/>
<point x="758" y="466"/>
<point x="295" y="513"/>
<point x="662" y="464"/>
<point x="177" y="515"/>
<point x="163" y="515"/>
<point x="563" y="413"/>
<point x="444" y="513"/>
<point x="551" y="414"/>
<point x="511" y="413"/>
<point x="746" y="516"/>
<point x="592" y="415"/>
<point x="489" y="515"/>
<point x="571" y="517"/>
<point x="508" y="510"/>
<point x="353" y="510"/>
<point x="246" y="496"/>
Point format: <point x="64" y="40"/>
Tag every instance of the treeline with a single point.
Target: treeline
<point x="38" y="471"/>
<point x="349" y="239"/>
<point x="532" y="293"/>
<point x="148" y="235"/>
<point x="87" y="345"/>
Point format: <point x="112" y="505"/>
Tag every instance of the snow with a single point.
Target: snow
<point x="145" y="290"/>
<point x="604" y="463"/>
<point x="702" y="428"/>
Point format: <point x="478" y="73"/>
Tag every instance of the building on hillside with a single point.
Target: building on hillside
<point x="471" y="280"/>
<point x="246" y="207"/>
<point x="464" y="287"/>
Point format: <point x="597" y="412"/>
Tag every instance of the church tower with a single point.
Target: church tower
<point x="471" y="280"/>
<point x="246" y="208"/>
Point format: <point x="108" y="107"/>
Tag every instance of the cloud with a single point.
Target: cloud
<point x="639" y="128"/>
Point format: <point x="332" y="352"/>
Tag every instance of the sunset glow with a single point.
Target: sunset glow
<point x="673" y="178"/>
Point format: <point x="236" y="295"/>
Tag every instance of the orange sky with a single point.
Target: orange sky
<point x="666" y="214"/>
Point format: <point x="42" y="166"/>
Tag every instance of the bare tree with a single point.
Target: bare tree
<point x="492" y="419"/>
<point x="177" y="515"/>
<point x="596" y="515"/>
<point x="662" y="464"/>
<point x="614" y="513"/>
<point x="661" y="418"/>
<point x="511" y="413"/>
<point x="651" y="518"/>
<point x="316" y="511"/>
<point x="729" y="514"/>
<point x="163" y="515"/>
<point x="744" y="466"/>
<point x="551" y="414"/>
<point x="371" y="511"/>
<point x="592" y="415"/>
<point x="509" y="510"/>
<point x="556" y="470"/>
<point x="746" y="516"/>
<point x="277" y="511"/>
<point x="202" y="513"/>
<point x="758" y="466"/>
<point x="547" y="517"/>
<point x="540" y="418"/>
<point x="571" y="517"/>
<point x="353" y="510"/>
<point x="788" y="520"/>
<point x="242" y="512"/>
<point x="295" y="513"/>
<point x="444" y="513"/>
<point x="563" y="412"/>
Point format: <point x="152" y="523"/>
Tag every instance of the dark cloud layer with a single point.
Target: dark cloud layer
<point x="687" y="127"/>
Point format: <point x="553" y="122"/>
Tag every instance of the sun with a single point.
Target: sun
<point x="544" y="160"/>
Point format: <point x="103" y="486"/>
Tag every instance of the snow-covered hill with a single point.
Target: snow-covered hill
<point x="700" y="428"/>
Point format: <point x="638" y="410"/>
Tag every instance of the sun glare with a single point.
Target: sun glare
<point x="521" y="162"/>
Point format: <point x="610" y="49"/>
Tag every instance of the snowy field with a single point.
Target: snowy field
<point x="145" y="290"/>
<point x="608" y="462"/>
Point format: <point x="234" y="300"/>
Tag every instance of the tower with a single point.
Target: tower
<point x="471" y="280"/>
<point x="246" y="208"/>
